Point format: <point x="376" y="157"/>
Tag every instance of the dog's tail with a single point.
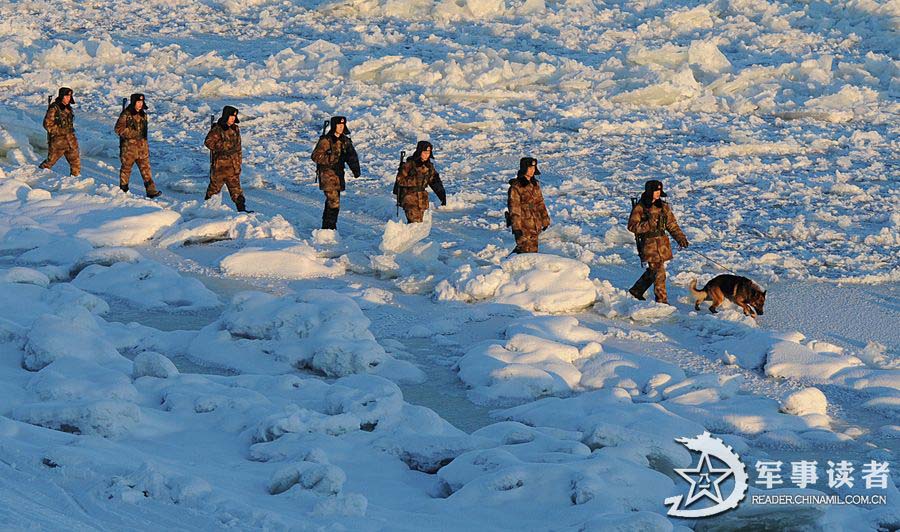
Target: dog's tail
<point x="699" y="295"/>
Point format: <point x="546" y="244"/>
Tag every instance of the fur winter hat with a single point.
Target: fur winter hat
<point x="138" y="97"/>
<point x="525" y="162"/>
<point x="65" y="91"/>
<point x="226" y="112"/>
<point x="423" y="145"/>
<point x="652" y="186"/>
<point x="335" y="120"/>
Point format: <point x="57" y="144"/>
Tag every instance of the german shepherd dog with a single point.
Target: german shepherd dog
<point x="739" y="290"/>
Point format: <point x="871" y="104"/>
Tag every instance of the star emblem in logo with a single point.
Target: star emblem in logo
<point x="704" y="473"/>
<point x="705" y="480"/>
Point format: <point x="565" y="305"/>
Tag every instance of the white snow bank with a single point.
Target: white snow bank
<point x="25" y="276"/>
<point x="300" y="261"/>
<point x="146" y="284"/>
<point x="399" y="237"/>
<point x="23" y="303"/>
<point x="794" y="360"/>
<point x="555" y="355"/>
<point x="105" y="257"/>
<point x="243" y="226"/>
<point x="537" y="282"/>
<point x="609" y="418"/>
<point x="103" y="417"/>
<point x="615" y="303"/>
<point x="150" y="364"/>
<point x="129" y="230"/>
<point x="13" y="190"/>
<point x="524" y="367"/>
<point x="315" y="329"/>
<point x="77" y="335"/>
<point x="805" y="401"/>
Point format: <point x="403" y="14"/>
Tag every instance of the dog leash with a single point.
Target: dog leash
<point x="712" y="261"/>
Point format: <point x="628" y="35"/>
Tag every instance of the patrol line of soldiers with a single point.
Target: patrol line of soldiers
<point x="527" y="216"/>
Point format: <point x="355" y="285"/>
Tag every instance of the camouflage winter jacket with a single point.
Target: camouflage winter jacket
<point x="224" y="143"/>
<point x="651" y="223"/>
<point x="527" y="211"/>
<point x="131" y="126"/>
<point x="59" y="120"/>
<point x="412" y="179"/>
<point x="331" y="154"/>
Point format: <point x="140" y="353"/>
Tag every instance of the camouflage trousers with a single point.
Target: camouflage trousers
<point x="332" y="208"/>
<point x="232" y="180"/>
<point x="414" y="214"/>
<point x="655" y="275"/>
<point x="414" y="203"/>
<point x="129" y="154"/>
<point x="67" y="146"/>
<point x="526" y="242"/>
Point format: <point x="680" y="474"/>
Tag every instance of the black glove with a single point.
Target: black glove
<point x="683" y="243"/>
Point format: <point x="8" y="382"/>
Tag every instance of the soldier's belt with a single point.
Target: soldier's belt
<point x="227" y="153"/>
<point x="652" y="234"/>
<point x="413" y="189"/>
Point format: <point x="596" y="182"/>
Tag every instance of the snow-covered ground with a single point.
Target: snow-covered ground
<point x="174" y="364"/>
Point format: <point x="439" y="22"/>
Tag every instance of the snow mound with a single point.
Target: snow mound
<point x="609" y="418"/>
<point x="315" y="329"/>
<point x="129" y="230"/>
<point x="149" y="364"/>
<point x="24" y="276"/>
<point x="105" y="257"/>
<point x="242" y="226"/>
<point x="793" y="360"/>
<point x="615" y="303"/>
<point x="399" y="237"/>
<point x="77" y="336"/>
<point x="524" y="367"/>
<point x="300" y="261"/>
<point x="555" y="355"/>
<point x="536" y="282"/>
<point x="146" y="284"/>
<point x="24" y="303"/>
<point x="806" y="401"/>
<point x="14" y="190"/>
<point x="106" y="418"/>
<point x="69" y="379"/>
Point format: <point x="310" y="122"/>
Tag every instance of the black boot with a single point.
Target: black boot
<point x="642" y="284"/>
<point x="329" y="218"/>
<point x="151" y="189"/>
<point x="124" y="188"/>
<point x="241" y="204"/>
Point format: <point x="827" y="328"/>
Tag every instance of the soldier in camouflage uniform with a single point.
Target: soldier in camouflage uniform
<point x="650" y="218"/>
<point x="416" y="173"/>
<point x="528" y="215"/>
<point x="60" y="125"/>
<point x="131" y="127"/>
<point x="332" y="152"/>
<point x="225" y="157"/>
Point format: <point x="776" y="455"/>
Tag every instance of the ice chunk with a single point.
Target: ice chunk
<point x="805" y="401"/>
<point x="299" y="261"/>
<point x="533" y="281"/>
